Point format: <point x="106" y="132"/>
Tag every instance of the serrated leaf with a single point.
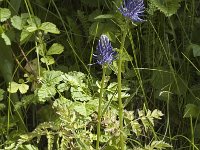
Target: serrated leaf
<point x="6" y="39"/>
<point x="136" y="127"/>
<point x="17" y="22"/>
<point x="23" y="88"/>
<point x="49" y="27"/>
<point x="157" y="114"/>
<point x="34" y="21"/>
<point x="4" y="14"/>
<point x="55" y="49"/>
<point x="191" y="110"/>
<point x="49" y="60"/>
<point x="63" y="87"/>
<point x="51" y="78"/>
<point x="75" y="79"/>
<point x="46" y="92"/>
<point x="81" y="109"/>
<point x="168" y="7"/>
<point x="13" y="87"/>
<point x="80" y="94"/>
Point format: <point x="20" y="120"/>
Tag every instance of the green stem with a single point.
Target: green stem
<point x="99" y="108"/>
<point x="119" y="78"/>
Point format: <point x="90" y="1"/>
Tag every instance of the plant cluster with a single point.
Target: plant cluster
<point x="103" y="74"/>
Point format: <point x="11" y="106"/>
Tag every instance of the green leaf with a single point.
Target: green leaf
<point x="106" y="16"/>
<point x="46" y="92"/>
<point x="34" y="21"/>
<point x="28" y="147"/>
<point x="52" y="78"/>
<point x="80" y="108"/>
<point x="55" y="49"/>
<point x="157" y="114"/>
<point x="4" y="14"/>
<point x="80" y="94"/>
<point x="160" y="145"/>
<point x="63" y="87"/>
<point x="49" y="27"/>
<point x="168" y="7"/>
<point x="6" y="39"/>
<point x="23" y="88"/>
<point x="32" y="28"/>
<point x="25" y="35"/>
<point x="1" y="94"/>
<point x="75" y="79"/>
<point x="191" y="110"/>
<point x="13" y="87"/>
<point x="136" y="127"/>
<point x="163" y="79"/>
<point x="2" y="106"/>
<point x="196" y="49"/>
<point x="17" y="22"/>
<point x="49" y="60"/>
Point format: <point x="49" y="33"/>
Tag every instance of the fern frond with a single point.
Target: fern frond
<point x="84" y="21"/>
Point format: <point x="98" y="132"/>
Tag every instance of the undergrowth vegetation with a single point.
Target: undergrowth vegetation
<point x="105" y="74"/>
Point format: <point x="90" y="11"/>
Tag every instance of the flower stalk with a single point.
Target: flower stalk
<point x="105" y="55"/>
<point x="99" y="108"/>
<point x="119" y="78"/>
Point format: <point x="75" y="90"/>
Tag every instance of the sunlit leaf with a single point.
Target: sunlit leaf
<point x="17" y="22"/>
<point x="46" y="92"/>
<point x="23" y="88"/>
<point x="81" y="109"/>
<point x="160" y="145"/>
<point x="136" y="127"/>
<point x="49" y="27"/>
<point x="4" y="14"/>
<point x="13" y="87"/>
<point x="31" y="28"/>
<point x="157" y="114"/>
<point x="55" y="49"/>
<point x="49" y="60"/>
<point x="80" y="94"/>
<point x="51" y="78"/>
<point x="6" y="39"/>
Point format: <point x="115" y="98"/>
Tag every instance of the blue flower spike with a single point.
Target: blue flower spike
<point x="133" y="9"/>
<point x="105" y="53"/>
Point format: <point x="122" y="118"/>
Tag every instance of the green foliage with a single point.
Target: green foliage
<point x="168" y="7"/>
<point x="49" y="94"/>
<point x="4" y="14"/>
